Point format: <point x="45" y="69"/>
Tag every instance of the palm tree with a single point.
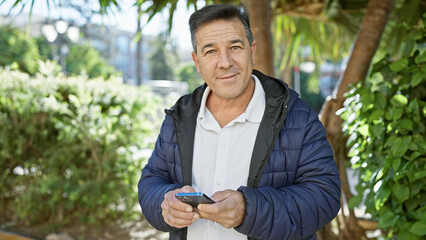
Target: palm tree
<point x="261" y="18"/>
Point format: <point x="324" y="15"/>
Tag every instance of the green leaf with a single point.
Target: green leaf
<point x="390" y="141"/>
<point x="396" y="163"/>
<point x="404" y="234"/>
<point x="415" y="188"/>
<point x="380" y="100"/>
<point x="355" y="201"/>
<point x="401" y="192"/>
<point x="412" y="203"/>
<point x="363" y="130"/>
<point x="413" y="107"/>
<point x="379" y="174"/>
<point x="398" y="65"/>
<point x="377" y="130"/>
<point x="406" y="124"/>
<point x="417" y="78"/>
<point x="419" y="228"/>
<point x="396" y="113"/>
<point x="366" y="99"/>
<point x="386" y="220"/>
<point x="399" y="100"/>
<point x="415" y="155"/>
<point x="409" y="45"/>
<point x="400" y="146"/>
<point x="376" y="115"/>
<point x="398" y="175"/>
<point x="376" y="79"/>
<point x="419" y="175"/>
<point x="421" y="58"/>
<point x="423" y="68"/>
<point x="382" y="196"/>
<point x="367" y="175"/>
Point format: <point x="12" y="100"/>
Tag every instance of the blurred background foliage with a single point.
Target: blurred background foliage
<point x="25" y="51"/>
<point x="163" y="58"/>
<point x="67" y="148"/>
<point x="83" y="59"/>
<point x="188" y="73"/>
<point x="16" y="47"/>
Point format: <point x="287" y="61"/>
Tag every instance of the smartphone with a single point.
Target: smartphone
<point x="194" y="198"/>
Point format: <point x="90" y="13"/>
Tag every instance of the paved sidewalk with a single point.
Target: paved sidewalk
<point x="12" y="236"/>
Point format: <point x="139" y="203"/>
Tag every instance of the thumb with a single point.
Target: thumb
<point x="187" y="189"/>
<point x="221" y="195"/>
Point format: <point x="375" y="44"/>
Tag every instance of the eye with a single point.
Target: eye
<point x="236" y="48"/>
<point x="209" y="52"/>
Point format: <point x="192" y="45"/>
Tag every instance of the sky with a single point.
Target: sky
<point x="124" y="19"/>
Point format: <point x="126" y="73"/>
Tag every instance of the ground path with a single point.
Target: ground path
<point x="11" y="236"/>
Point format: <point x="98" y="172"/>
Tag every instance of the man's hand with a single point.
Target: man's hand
<point x="177" y="213"/>
<point x="228" y="210"/>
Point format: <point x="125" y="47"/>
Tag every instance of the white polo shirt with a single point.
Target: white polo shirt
<point x="222" y="158"/>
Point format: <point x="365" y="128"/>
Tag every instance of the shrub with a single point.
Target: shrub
<point x="385" y="124"/>
<point x="83" y="58"/>
<point x="188" y="73"/>
<point x="67" y="148"/>
<point x="17" y="48"/>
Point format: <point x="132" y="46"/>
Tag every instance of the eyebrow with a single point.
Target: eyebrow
<point x="206" y="46"/>
<point x="237" y="41"/>
<point x="232" y="42"/>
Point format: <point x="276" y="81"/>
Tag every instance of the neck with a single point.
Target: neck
<point x="226" y="110"/>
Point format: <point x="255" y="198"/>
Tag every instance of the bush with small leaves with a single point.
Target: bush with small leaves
<point x="67" y="147"/>
<point x="384" y="120"/>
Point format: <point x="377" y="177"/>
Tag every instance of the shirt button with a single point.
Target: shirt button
<point x="222" y="145"/>
<point x="218" y="183"/>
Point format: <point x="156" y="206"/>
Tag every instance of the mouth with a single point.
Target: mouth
<point x="227" y="77"/>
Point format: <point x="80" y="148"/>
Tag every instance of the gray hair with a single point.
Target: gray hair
<point x="211" y="13"/>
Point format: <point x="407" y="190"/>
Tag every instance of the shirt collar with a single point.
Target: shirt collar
<point x="254" y="111"/>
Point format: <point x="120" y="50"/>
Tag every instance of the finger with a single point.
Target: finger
<point x="173" y="202"/>
<point x="187" y="189"/>
<point x="180" y="206"/>
<point x="227" y="219"/>
<point x="213" y="208"/>
<point x="176" y="212"/>
<point x="177" y="222"/>
<point x="184" y="215"/>
<point x="221" y="195"/>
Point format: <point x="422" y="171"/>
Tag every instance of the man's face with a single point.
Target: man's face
<point x="224" y="57"/>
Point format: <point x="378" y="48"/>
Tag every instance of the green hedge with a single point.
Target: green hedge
<point x="385" y="121"/>
<point x="17" y="48"/>
<point x="67" y="147"/>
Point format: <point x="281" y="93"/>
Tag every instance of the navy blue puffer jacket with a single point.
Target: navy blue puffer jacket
<point x="293" y="187"/>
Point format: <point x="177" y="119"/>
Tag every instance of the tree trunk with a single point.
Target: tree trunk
<point x="260" y="19"/>
<point x="365" y="46"/>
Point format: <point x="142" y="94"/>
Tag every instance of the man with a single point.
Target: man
<point x="244" y="139"/>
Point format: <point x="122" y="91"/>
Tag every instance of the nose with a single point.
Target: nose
<point x="225" y="59"/>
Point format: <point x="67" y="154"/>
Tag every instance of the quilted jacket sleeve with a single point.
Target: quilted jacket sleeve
<point x="156" y="180"/>
<point x="297" y="210"/>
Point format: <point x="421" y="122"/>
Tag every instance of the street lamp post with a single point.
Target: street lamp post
<point x="60" y="32"/>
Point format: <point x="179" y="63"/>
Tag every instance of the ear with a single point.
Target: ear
<point x="253" y="51"/>
<point x="194" y="58"/>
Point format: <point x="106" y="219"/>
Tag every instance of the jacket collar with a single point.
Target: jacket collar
<point x="277" y="97"/>
<point x="185" y="112"/>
